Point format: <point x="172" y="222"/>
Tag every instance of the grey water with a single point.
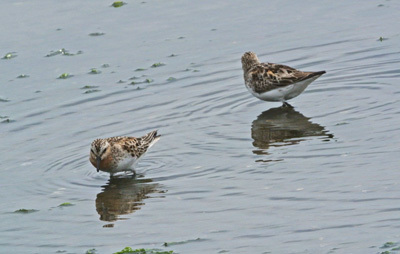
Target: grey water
<point x="231" y="173"/>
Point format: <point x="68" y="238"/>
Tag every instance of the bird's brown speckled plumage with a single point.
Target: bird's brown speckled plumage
<point x="264" y="77"/>
<point x="116" y="153"/>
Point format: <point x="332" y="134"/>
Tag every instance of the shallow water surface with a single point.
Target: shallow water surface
<point x="231" y="174"/>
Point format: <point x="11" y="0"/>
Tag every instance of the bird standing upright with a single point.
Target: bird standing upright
<point x="274" y="82"/>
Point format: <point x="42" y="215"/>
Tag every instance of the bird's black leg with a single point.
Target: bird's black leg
<point x="287" y="105"/>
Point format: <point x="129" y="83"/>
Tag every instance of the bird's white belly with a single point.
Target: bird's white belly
<point x="283" y="93"/>
<point x="125" y="164"/>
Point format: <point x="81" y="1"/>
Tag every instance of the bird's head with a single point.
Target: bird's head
<point x="249" y="59"/>
<point x="99" y="149"/>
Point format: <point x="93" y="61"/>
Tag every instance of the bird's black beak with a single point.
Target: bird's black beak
<point x="98" y="159"/>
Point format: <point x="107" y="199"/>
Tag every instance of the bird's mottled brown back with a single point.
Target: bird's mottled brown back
<point x="135" y="146"/>
<point x="267" y="76"/>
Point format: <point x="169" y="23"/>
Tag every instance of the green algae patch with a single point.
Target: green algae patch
<point x="140" y="69"/>
<point x="63" y="52"/>
<point x="23" y="76"/>
<point x="129" y="250"/>
<point x="382" y="39"/>
<point x="94" y="71"/>
<point x="96" y="34"/>
<point x="393" y="246"/>
<point x="117" y="4"/>
<point x="388" y="245"/>
<point x="91" y="251"/>
<point x="166" y="244"/>
<point x="170" y="79"/>
<point x="89" y="87"/>
<point x="92" y="91"/>
<point x="155" y="65"/>
<point x="25" y="211"/>
<point x="65" y="204"/>
<point x="64" y="76"/>
<point x="136" y="81"/>
<point x="9" y="55"/>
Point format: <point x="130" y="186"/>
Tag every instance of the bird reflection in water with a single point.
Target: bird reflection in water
<point x="283" y="126"/>
<point x="123" y="196"/>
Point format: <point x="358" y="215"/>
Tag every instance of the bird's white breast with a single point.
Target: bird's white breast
<point x="125" y="163"/>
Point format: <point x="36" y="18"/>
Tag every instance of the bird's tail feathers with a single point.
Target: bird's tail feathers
<point x="317" y="73"/>
<point x="150" y="138"/>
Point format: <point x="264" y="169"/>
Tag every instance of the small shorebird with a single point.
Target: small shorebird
<point x="274" y="82"/>
<point x="118" y="154"/>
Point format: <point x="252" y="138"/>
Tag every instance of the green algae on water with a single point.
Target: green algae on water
<point x="96" y="34"/>
<point x="388" y="245"/>
<point x="65" y="76"/>
<point x="91" y="251"/>
<point x="148" y="81"/>
<point x="140" y="69"/>
<point x="63" y="52"/>
<point x="382" y="39"/>
<point x="129" y="250"/>
<point x="25" y="210"/>
<point x="166" y="244"/>
<point x="125" y="250"/>
<point x="94" y="71"/>
<point x="92" y="91"/>
<point x="89" y="87"/>
<point x="170" y="79"/>
<point x="23" y="76"/>
<point x="9" y="55"/>
<point x="117" y="4"/>
<point x="155" y="65"/>
<point x="65" y="204"/>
